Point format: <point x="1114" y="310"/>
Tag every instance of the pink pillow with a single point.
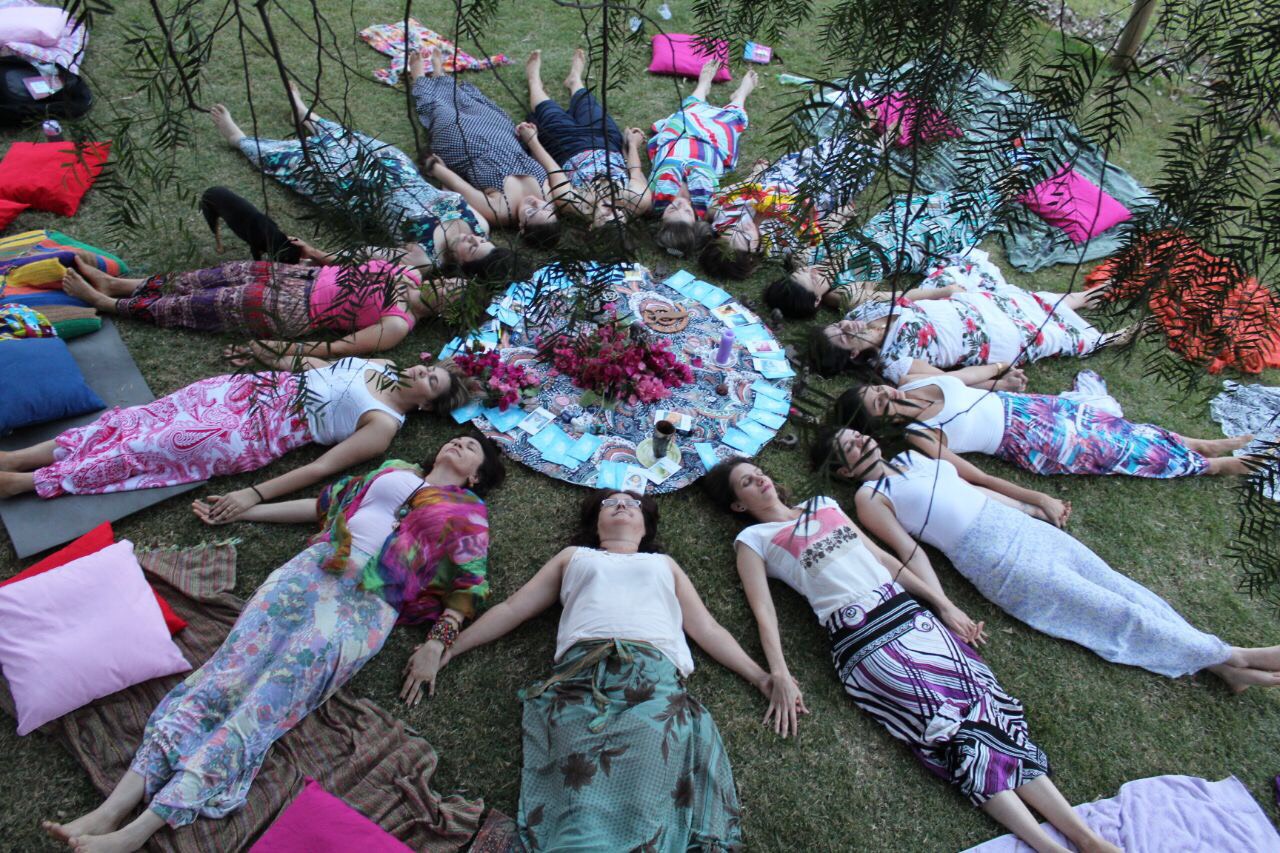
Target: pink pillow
<point x="1075" y="204"/>
<point x="32" y="25"/>
<point x="318" y="822"/>
<point x="915" y="123"/>
<point x="678" y="53"/>
<point x="82" y="632"/>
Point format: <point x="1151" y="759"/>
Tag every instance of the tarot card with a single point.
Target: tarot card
<point x="536" y="421"/>
<point x="771" y="368"/>
<point x="611" y="475"/>
<point x="585" y="447"/>
<point x="462" y="414"/>
<point x="679" y="420"/>
<point x="707" y="454"/>
<point x="739" y="440"/>
<point x="504" y="421"/>
<point x="635" y="479"/>
<point x="659" y="471"/>
<point x="765" y="348"/>
<point x="768" y="389"/>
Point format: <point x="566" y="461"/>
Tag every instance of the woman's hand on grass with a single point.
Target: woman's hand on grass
<point x="421" y="670"/>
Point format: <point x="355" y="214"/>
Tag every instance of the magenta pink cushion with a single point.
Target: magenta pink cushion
<point x="678" y="53"/>
<point x="1075" y="204"/>
<point x="913" y="122"/>
<point x="84" y="631"/>
<point x="318" y="822"/>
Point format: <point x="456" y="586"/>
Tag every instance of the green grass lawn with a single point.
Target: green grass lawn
<point x="843" y="784"/>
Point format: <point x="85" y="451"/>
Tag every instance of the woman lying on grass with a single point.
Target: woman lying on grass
<point x="376" y="302"/>
<point x="237" y="423"/>
<point x="605" y="177"/>
<point x="909" y="664"/>
<point x="1005" y="540"/>
<point x="689" y="152"/>
<point x="396" y="546"/>
<point x="1042" y="433"/>
<point x="476" y="153"/>
<point x="376" y="183"/>
<point x="981" y="319"/>
<point x="617" y="755"/>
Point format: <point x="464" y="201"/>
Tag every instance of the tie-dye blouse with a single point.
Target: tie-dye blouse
<point x="436" y="558"/>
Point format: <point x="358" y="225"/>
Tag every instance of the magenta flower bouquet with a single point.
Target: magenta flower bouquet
<point x="502" y="384"/>
<point x="610" y="365"/>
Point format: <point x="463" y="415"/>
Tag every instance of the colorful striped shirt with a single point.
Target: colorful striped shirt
<point x="694" y="147"/>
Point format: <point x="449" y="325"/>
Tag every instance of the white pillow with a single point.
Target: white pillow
<point x="80" y="632"/>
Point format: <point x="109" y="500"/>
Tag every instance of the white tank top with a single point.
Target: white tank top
<point x="972" y="419"/>
<point x="372" y="523"/>
<point x="931" y="500"/>
<point x="337" y="395"/>
<point x="622" y="596"/>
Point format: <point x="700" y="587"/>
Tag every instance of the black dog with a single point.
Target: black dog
<point x="251" y="225"/>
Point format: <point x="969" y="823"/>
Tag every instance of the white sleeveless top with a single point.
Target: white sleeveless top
<point x="622" y="596"/>
<point x="932" y="502"/>
<point x="337" y="396"/>
<point x="972" y="419"/>
<point x="373" y="522"/>
<point x="819" y="555"/>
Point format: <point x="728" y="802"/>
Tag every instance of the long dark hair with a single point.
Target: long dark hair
<point x="588" y="532"/>
<point x="491" y="472"/>
<point x="718" y="485"/>
<point x="795" y="302"/>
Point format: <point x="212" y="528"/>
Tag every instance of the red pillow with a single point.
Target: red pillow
<point x="9" y="211"/>
<point x="91" y="543"/>
<point x="51" y="176"/>
<point x="679" y="54"/>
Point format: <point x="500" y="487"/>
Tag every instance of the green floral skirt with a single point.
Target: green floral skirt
<point x="618" y="756"/>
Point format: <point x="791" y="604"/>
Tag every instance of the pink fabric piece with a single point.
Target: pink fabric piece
<point x="67" y="50"/>
<point x="40" y="26"/>
<point x="914" y="122"/>
<point x="1075" y="204"/>
<point x="318" y="822"/>
<point x="1165" y="813"/>
<point x="332" y="308"/>
<point x="220" y="425"/>
<point x="680" y="54"/>
<point x="84" y="631"/>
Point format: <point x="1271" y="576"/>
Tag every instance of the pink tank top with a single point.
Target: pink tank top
<point x="362" y="302"/>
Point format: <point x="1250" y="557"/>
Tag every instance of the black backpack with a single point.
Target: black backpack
<point x="17" y="107"/>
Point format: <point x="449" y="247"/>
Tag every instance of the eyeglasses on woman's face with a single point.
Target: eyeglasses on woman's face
<point x="607" y="502"/>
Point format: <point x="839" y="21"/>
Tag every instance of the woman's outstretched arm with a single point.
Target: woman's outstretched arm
<point x="786" y="701"/>
<point x="300" y="511"/>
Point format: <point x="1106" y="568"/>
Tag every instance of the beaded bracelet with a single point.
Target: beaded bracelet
<point x="444" y="631"/>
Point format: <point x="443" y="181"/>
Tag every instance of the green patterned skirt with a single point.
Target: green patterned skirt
<point x="618" y="756"/>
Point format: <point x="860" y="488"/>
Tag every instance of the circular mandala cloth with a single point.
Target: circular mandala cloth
<point x="685" y="319"/>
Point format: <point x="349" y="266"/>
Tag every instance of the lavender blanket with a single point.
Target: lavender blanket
<point x="1166" y="813"/>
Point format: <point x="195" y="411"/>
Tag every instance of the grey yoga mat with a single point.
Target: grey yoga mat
<point x="35" y="524"/>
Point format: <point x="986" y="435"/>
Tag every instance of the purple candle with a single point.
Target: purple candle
<point x="726" y="348"/>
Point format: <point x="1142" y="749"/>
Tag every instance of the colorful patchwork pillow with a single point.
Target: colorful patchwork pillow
<point x="1075" y="204"/>
<point x="86" y="631"/>
<point x="680" y="54"/>
<point x="51" y="176"/>
<point x="318" y="822"/>
<point x="39" y="382"/>
<point x="90" y="543"/>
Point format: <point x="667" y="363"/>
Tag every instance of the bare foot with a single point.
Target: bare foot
<point x="1264" y="658"/>
<point x="300" y="109"/>
<point x="709" y="70"/>
<point x="749" y="82"/>
<point x="6" y="461"/>
<point x="574" y="81"/>
<point x="96" y="277"/>
<point x="416" y="66"/>
<point x="1240" y="678"/>
<point x="533" y="66"/>
<point x="97" y="822"/>
<point x="74" y="285"/>
<point x="437" y="62"/>
<point x="225" y="124"/>
<point x="120" y="841"/>
<point x="1225" y="446"/>
<point x="14" y="483"/>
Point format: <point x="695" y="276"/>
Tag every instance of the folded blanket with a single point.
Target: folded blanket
<point x="354" y="748"/>
<point x="1209" y="308"/>
<point x="983" y="108"/>
<point x="389" y="39"/>
<point x="1167" y="813"/>
<point x="33" y="261"/>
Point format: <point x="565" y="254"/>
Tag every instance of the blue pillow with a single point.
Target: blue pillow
<point x="40" y="381"/>
<point x="35" y="300"/>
